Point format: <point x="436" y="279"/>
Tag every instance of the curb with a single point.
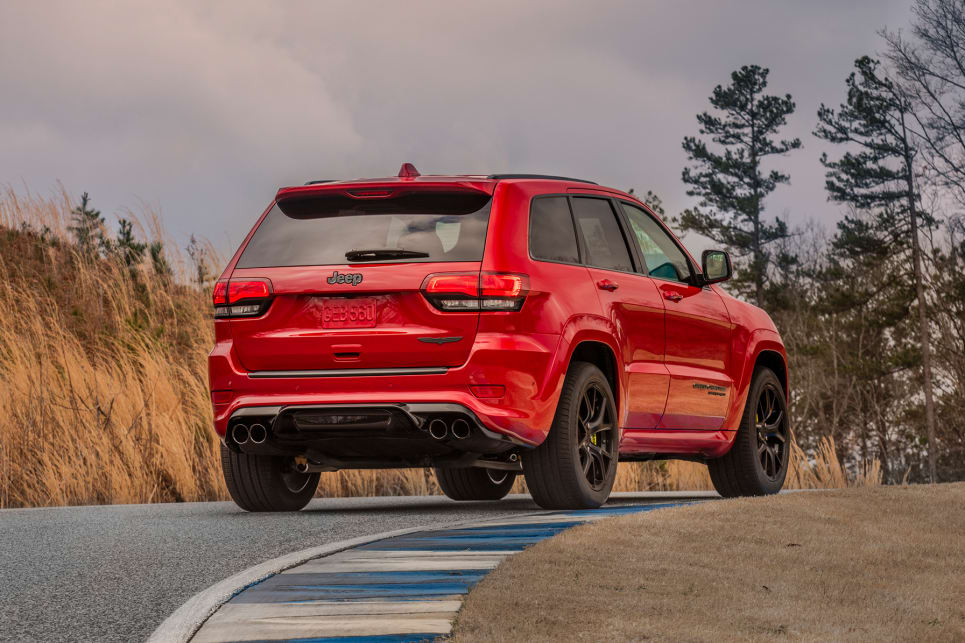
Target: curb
<point x="185" y="621"/>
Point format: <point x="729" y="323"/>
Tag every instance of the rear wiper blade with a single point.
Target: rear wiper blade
<point x="384" y="253"/>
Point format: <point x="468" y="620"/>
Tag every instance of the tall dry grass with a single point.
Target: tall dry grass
<point x="103" y="388"/>
<point x="102" y="373"/>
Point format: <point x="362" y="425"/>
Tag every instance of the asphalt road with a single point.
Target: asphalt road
<point x="113" y="573"/>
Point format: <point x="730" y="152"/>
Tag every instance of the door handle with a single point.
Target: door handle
<point x="606" y="284"/>
<point x="672" y="296"/>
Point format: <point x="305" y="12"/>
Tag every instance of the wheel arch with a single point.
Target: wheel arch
<point x="773" y="360"/>
<point x="763" y="348"/>
<point x="602" y="356"/>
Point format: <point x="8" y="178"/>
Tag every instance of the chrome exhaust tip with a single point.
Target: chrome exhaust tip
<point x="257" y="433"/>
<point x="438" y="429"/>
<point x="460" y="429"/>
<point x="239" y="434"/>
<point x="301" y="467"/>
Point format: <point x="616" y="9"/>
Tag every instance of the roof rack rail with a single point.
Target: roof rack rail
<point x="320" y="181"/>
<point x="539" y="176"/>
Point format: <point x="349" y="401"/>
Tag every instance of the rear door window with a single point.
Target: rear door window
<point x="551" y="233"/>
<point x="337" y="229"/>
<point x="605" y="246"/>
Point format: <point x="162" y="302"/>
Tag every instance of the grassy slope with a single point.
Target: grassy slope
<point x="885" y="563"/>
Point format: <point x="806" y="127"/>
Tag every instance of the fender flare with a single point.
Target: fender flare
<point x="762" y="340"/>
<point x="579" y="330"/>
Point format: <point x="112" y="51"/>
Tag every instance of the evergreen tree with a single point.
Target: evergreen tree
<point x="652" y="201"/>
<point x="131" y="252"/>
<point x="87" y="228"/>
<point x="159" y="262"/>
<point x="198" y="254"/>
<point x="731" y="183"/>
<point x="880" y="176"/>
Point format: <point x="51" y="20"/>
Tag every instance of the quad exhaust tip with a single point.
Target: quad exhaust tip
<point x="257" y="433"/>
<point x="460" y="429"/>
<point x="438" y="429"/>
<point x="240" y="434"/>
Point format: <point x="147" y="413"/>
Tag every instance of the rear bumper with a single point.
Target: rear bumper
<point x="525" y="364"/>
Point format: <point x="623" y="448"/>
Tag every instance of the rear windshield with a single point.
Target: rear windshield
<point x="414" y="227"/>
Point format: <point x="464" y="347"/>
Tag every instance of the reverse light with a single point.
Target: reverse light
<point x="241" y="297"/>
<point x="473" y="292"/>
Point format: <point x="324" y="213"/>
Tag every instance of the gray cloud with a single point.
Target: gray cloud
<point x="205" y="109"/>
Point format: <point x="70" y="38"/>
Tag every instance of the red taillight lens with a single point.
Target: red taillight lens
<point x="241" y="297"/>
<point x="238" y="290"/>
<point x="220" y="293"/>
<point x="453" y="284"/>
<point x="484" y="291"/>
<point x="497" y="284"/>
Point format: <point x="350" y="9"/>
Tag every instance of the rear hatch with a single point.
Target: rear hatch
<point x="345" y="270"/>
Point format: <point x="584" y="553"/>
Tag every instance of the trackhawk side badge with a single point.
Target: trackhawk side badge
<point x="352" y="278"/>
<point x="712" y="389"/>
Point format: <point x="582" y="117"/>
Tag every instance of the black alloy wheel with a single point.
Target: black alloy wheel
<point x="576" y="465"/>
<point x="757" y="462"/>
<point x="772" y="432"/>
<point x="596" y="431"/>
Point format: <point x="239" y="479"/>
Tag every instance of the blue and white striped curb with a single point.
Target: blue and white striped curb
<point x="405" y="588"/>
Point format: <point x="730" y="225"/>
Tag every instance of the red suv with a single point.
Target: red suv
<point x="485" y="326"/>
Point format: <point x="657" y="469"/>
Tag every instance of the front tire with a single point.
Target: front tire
<point x="574" y="468"/>
<point x="475" y="483"/>
<point x="757" y="463"/>
<point x="266" y="483"/>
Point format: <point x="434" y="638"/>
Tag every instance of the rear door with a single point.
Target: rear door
<point x="632" y="303"/>
<point x="346" y="274"/>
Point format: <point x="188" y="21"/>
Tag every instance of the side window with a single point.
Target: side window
<point x="551" y="233"/>
<point x="664" y="258"/>
<point x="605" y="245"/>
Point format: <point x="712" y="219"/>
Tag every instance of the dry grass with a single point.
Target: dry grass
<point x="105" y="394"/>
<point x="103" y="388"/>
<point x="870" y="564"/>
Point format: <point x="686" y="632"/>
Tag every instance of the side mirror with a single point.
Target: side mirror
<point x="716" y="266"/>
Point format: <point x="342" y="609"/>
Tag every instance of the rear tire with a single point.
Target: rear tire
<point x="266" y="483"/>
<point x="757" y="463"/>
<point x="574" y="468"/>
<point x="475" y="483"/>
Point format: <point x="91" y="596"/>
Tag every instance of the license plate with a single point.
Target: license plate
<point x="349" y="313"/>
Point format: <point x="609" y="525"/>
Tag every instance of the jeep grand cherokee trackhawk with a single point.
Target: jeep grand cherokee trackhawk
<point x="485" y="326"/>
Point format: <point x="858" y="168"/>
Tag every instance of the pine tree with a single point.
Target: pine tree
<point x="880" y="176"/>
<point x="198" y="254"/>
<point x="87" y="228"/>
<point x="652" y="201"/>
<point x="159" y="262"/>
<point x="732" y="184"/>
<point x="131" y="252"/>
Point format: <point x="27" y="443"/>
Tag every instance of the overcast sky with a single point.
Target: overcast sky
<point x="203" y="109"/>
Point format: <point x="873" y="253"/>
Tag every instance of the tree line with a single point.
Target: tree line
<point x="873" y="313"/>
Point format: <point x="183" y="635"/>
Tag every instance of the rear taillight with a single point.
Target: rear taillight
<point x="241" y="297"/>
<point x="476" y="291"/>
